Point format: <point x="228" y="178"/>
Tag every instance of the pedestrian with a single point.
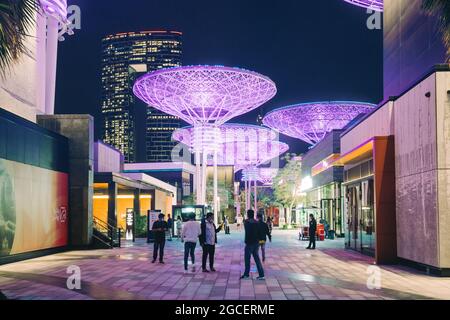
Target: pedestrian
<point x="189" y="235"/>
<point x="226" y="225"/>
<point x="179" y="225"/>
<point x="270" y="224"/>
<point x="252" y="237"/>
<point x="239" y="222"/>
<point x="264" y="233"/>
<point x="159" y="230"/>
<point x="312" y="232"/>
<point x="208" y="240"/>
<point x="170" y="226"/>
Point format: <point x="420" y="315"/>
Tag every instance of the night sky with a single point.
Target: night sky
<point x="312" y="49"/>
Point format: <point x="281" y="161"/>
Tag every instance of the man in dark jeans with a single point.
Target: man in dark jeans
<point x="159" y="229"/>
<point x="312" y="232"/>
<point x="252" y="236"/>
<point x="208" y="240"/>
<point x="189" y="235"/>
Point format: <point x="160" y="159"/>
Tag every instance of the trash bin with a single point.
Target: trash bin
<point x="331" y="234"/>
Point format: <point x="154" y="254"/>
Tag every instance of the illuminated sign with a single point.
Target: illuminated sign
<point x="325" y="164"/>
<point x="129" y="219"/>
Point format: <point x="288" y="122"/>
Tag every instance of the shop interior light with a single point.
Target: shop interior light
<point x="307" y="183"/>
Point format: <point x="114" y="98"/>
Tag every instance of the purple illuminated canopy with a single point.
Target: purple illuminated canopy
<point x="207" y="138"/>
<point x="56" y="9"/>
<point x="249" y="154"/>
<point x="376" y="5"/>
<point x="263" y="175"/>
<point x="237" y="145"/>
<point x="310" y="122"/>
<point x="204" y="94"/>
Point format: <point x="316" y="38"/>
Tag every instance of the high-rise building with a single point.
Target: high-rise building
<point x="413" y="44"/>
<point x="141" y="133"/>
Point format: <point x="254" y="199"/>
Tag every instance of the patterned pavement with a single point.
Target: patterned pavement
<point x="292" y="273"/>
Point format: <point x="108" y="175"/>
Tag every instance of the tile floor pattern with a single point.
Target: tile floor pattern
<point x="292" y="272"/>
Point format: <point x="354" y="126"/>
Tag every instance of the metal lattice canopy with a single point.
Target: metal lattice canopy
<point x="204" y="94"/>
<point x="244" y="154"/>
<point x="263" y="175"/>
<point x="56" y="9"/>
<point x="376" y="5"/>
<point x="209" y="138"/>
<point x="310" y="122"/>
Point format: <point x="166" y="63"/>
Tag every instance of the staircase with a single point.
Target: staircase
<point x="105" y="235"/>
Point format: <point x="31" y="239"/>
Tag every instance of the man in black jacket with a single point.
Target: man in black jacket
<point x="159" y="229"/>
<point x="252" y="236"/>
<point x="264" y="233"/>
<point x="312" y="232"/>
<point x="208" y="240"/>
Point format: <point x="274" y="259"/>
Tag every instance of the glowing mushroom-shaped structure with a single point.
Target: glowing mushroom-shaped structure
<point x="248" y="156"/>
<point x="310" y="122"/>
<point x="205" y="97"/>
<point x="376" y="5"/>
<point x="242" y="146"/>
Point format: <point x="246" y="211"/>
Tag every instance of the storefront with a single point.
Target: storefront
<point x="369" y="202"/>
<point x="359" y="206"/>
<point x="121" y="198"/>
<point x="321" y="184"/>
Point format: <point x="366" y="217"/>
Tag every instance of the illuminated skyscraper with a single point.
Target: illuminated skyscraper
<point x="142" y="134"/>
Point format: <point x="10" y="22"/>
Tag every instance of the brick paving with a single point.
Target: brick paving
<point x="292" y="273"/>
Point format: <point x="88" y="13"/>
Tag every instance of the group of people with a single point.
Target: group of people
<point x="256" y="234"/>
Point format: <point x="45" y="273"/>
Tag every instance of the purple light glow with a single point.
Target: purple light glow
<point x="263" y="175"/>
<point x="207" y="137"/>
<point x="56" y="9"/>
<point x="237" y="144"/>
<point x="204" y="94"/>
<point x="310" y="122"/>
<point x="242" y="154"/>
<point x="376" y="5"/>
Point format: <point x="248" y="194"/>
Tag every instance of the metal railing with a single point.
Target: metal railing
<point x="111" y="234"/>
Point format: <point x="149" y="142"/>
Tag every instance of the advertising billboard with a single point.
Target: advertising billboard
<point x="33" y="208"/>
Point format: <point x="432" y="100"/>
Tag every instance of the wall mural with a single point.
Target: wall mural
<point x="33" y="208"/>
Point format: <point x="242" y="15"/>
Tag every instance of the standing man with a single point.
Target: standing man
<point x="264" y="233"/>
<point x="179" y="225"/>
<point x="208" y="240"/>
<point x="159" y="230"/>
<point x="226" y="225"/>
<point x="252" y="237"/>
<point x="170" y="226"/>
<point x="269" y="224"/>
<point x="189" y="235"/>
<point x="312" y="232"/>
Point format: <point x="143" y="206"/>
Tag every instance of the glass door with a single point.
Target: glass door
<point x="367" y="222"/>
<point x="353" y="213"/>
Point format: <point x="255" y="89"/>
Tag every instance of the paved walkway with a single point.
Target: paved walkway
<point x="292" y="272"/>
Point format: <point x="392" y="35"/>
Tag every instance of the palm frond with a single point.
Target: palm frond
<point x="16" y="18"/>
<point x="441" y="9"/>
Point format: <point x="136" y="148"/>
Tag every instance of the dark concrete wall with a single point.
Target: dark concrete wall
<point x="25" y="142"/>
<point x="79" y="129"/>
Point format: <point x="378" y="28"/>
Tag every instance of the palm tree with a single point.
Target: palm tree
<point x="16" y="17"/>
<point x="441" y="8"/>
